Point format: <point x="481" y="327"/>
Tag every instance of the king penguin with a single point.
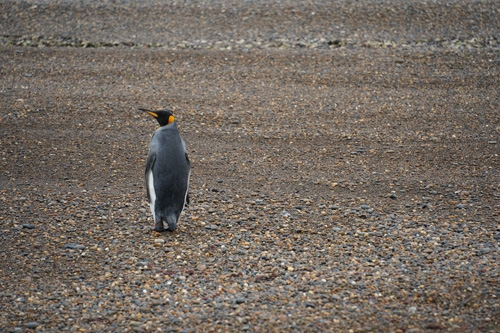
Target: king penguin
<point x="167" y="172"/>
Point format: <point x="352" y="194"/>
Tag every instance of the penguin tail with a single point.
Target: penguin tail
<point x="166" y="223"/>
<point x="172" y="222"/>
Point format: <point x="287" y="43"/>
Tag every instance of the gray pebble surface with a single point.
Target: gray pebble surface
<point x="345" y="166"/>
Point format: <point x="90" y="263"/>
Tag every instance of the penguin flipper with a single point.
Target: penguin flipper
<point x="149" y="168"/>
<point x="187" y="194"/>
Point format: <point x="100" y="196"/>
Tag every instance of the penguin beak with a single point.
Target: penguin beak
<point x="149" y="112"/>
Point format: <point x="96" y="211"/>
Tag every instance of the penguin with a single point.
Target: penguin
<point x="167" y="172"/>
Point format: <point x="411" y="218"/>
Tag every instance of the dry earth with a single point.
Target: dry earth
<point x="345" y="175"/>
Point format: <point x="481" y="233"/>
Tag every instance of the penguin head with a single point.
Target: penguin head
<point x="164" y="117"/>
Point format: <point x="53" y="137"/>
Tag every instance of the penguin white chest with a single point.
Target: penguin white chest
<point x="152" y="194"/>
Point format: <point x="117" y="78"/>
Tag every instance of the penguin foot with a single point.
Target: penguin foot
<point x="161" y="228"/>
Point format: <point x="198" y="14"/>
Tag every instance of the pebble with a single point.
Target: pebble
<point x="414" y="330"/>
<point x="284" y="213"/>
<point x="74" y="246"/>
<point x="485" y="250"/>
<point x="28" y="226"/>
<point x="211" y="227"/>
<point x="31" y="324"/>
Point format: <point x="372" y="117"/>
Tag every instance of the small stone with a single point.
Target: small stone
<point x="74" y="246"/>
<point x="239" y="300"/>
<point x="285" y="213"/>
<point x="28" y="226"/>
<point x="211" y="227"/>
<point x="31" y="324"/>
<point x="393" y="196"/>
<point x="485" y="250"/>
<point x="461" y="206"/>
<point x="159" y="241"/>
<point x="365" y="207"/>
<point x="434" y="326"/>
<point x="413" y="330"/>
<point x="310" y="305"/>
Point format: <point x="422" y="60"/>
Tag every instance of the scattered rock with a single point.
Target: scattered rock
<point x="74" y="246"/>
<point x="31" y="325"/>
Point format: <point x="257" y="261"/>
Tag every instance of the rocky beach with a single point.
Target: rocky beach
<point x="345" y="166"/>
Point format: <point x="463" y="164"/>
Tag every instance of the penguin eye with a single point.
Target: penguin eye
<point x="170" y="119"/>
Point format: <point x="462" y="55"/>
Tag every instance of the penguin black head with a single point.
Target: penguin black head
<point x="164" y="117"/>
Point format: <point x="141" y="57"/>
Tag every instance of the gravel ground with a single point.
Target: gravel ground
<point x="339" y="183"/>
